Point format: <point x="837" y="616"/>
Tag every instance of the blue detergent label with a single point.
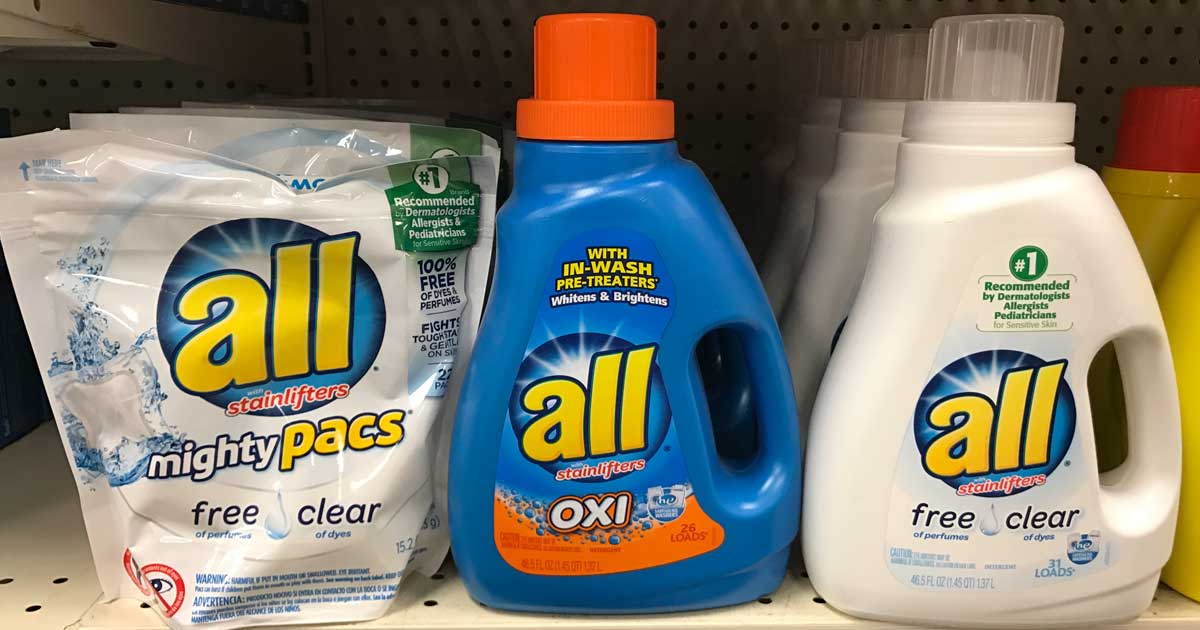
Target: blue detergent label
<point x="591" y="477"/>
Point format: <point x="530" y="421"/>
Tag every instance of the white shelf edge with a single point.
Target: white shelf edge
<point x="248" y="47"/>
<point x="42" y="532"/>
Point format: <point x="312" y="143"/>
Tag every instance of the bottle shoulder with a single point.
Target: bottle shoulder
<point x="662" y="190"/>
<point x="1061" y="194"/>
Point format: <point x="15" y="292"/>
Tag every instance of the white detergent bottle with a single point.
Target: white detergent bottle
<point x="776" y="158"/>
<point x="795" y="91"/>
<point x="863" y="174"/>
<point x="952" y="477"/>
<point x="835" y="67"/>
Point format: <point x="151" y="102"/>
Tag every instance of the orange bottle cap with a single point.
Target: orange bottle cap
<point x="594" y="80"/>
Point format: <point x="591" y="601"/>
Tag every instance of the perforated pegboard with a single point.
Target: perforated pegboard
<point x="41" y="95"/>
<point x="729" y="65"/>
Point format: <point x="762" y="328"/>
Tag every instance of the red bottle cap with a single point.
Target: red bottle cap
<point x="594" y="79"/>
<point x="1160" y="130"/>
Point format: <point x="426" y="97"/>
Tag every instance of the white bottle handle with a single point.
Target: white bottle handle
<point x="1142" y="493"/>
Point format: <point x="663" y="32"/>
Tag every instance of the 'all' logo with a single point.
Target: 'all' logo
<point x="573" y="421"/>
<point x="259" y="305"/>
<point x="993" y="415"/>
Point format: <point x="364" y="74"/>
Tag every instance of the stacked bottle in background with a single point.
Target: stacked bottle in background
<point x="777" y="156"/>
<point x="795" y="85"/>
<point x="955" y="405"/>
<point x="1155" y="180"/>
<point x="893" y="73"/>
<point x="836" y="70"/>
<point x="831" y="72"/>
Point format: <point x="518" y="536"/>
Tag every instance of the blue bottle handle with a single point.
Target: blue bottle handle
<point x="773" y="475"/>
<point x="723" y="367"/>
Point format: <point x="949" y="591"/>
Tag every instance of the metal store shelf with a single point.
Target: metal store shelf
<point x="270" y="49"/>
<point x="47" y="580"/>
<point x="725" y="63"/>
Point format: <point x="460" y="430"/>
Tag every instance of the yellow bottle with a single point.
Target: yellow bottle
<point x="1155" y="180"/>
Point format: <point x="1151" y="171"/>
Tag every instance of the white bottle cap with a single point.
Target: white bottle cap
<point x="894" y="64"/>
<point x="995" y="58"/>
<point x="841" y="63"/>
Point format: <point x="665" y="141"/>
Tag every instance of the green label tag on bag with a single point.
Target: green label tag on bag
<point x="435" y="206"/>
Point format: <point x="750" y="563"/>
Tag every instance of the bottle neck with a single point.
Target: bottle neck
<point x="821" y="111"/>
<point x="545" y="162"/>
<point x="968" y="143"/>
<point x="859" y="151"/>
<point x="1151" y="183"/>
<point x="982" y="123"/>
<point x="786" y="124"/>
<point x="885" y="116"/>
<point x="816" y="147"/>
<point x="928" y="164"/>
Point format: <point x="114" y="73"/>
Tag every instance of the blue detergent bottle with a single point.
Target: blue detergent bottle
<point x="584" y="472"/>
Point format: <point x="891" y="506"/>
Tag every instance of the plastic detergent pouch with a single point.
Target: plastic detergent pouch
<point x="247" y="378"/>
<point x="305" y="153"/>
<point x="241" y="110"/>
<point x="303" y="150"/>
<point x="461" y="138"/>
<point x="506" y="136"/>
<point x="474" y="114"/>
<point x="431" y="107"/>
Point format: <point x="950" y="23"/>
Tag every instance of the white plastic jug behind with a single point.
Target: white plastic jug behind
<point x="864" y="172"/>
<point x="835" y="71"/>
<point x="952" y="475"/>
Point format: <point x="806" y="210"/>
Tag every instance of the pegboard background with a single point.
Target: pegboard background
<point x="730" y="66"/>
<point x="41" y="94"/>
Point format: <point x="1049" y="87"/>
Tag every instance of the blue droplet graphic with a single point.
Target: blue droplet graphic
<point x="277" y="524"/>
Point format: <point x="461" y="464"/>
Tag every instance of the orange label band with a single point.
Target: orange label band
<point x="640" y="545"/>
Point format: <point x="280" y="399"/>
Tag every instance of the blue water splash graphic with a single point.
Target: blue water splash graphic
<point x="115" y="438"/>
<point x="90" y="348"/>
<point x="86" y="267"/>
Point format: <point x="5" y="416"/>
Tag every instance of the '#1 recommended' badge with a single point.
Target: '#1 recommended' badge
<point x="435" y="206"/>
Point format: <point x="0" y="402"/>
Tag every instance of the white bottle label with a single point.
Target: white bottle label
<point x="996" y="485"/>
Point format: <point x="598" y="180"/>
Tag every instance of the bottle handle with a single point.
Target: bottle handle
<point x="1145" y="487"/>
<point x="772" y="475"/>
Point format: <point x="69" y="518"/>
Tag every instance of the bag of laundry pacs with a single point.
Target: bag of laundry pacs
<point x="294" y="113"/>
<point x="306" y="152"/>
<point x="247" y="378"/>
